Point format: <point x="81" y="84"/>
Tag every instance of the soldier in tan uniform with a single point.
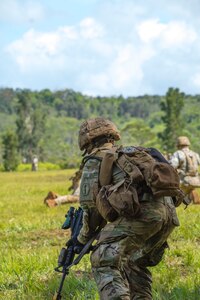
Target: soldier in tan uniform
<point x="187" y="163"/>
<point x="131" y="242"/>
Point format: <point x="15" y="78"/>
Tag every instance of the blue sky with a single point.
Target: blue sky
<point x="101" y="47"/>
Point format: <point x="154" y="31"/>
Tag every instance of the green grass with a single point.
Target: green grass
<point x="31" y="239"/>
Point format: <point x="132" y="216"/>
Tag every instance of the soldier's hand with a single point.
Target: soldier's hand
<point x="76" y="245"/>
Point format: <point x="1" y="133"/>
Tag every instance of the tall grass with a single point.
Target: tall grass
<point x="31" y="239"/>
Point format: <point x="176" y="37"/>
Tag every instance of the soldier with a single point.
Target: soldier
<point x="129" y="243"/>
<point x="34" y="166"/>
<point x="52" y="199"/>
<point x="187" y="162"/>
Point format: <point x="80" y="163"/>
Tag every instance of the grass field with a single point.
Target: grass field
<point x="31" y="239"/>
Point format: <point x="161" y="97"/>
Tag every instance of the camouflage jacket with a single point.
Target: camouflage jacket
<point x="89" y="189"/>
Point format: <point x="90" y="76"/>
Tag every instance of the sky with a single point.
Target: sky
<point x="101" y="47"/>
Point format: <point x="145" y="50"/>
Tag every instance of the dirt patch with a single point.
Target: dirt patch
<point x="58" y="233"/>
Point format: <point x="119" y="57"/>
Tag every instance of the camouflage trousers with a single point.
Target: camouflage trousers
<point x="127" y="247"/>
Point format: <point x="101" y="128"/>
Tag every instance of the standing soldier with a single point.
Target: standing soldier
<point x="187" y="162"/>
<point x="34" y="166"/>
<point x="135" y="236"/>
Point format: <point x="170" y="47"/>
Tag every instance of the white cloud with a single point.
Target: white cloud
<point x="150" y="30"/>
<point x="90" y="29"/>
<point x="44" y="49"/>
<point x="126" y="66"/>
<point x="172" y="34"/>
<point x="35" y="50"/>
<point x="126" y="48"/>
<point x="124" y="71"/>
<point x="69" y="32"/>
<point x="21" y="11"/>
<point x="178" y="34"/>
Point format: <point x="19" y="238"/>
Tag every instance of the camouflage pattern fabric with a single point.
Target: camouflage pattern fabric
<point x="127" y="246"/>
<point x="179" y="162"/>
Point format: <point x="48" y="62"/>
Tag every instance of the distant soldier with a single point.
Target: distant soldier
<point x="187" y="162"/>
<point x="35" y="163"/>
<point x="52" y="199"/>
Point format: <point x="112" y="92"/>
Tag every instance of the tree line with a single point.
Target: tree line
<point x="46" y="123"/>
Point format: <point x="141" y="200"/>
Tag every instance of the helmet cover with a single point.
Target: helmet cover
<point x="97" y="127"/>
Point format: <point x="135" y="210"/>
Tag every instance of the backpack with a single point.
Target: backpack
<point x="152" y="168"/>
<point x="191" y="177"/>
<point x="146" y="170"/>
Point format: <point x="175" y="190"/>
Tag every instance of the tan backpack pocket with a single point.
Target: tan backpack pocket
<point x="163" y="180"/>
<point x="103" y="205"/>
<point x="125" y="201"/>
<point x="131" y="169"/>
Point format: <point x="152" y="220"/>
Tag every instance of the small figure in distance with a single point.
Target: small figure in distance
<point x="187" y="162"/>
<point x="34" y="163"/>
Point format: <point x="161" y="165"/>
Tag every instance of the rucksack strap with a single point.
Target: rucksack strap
<point x="108" y="159"/>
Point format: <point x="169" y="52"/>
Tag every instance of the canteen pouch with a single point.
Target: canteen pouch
<point x="124" y="200"/>
<point x="103" y="205"/>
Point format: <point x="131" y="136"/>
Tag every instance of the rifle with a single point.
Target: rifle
<point x="66" y="259"/>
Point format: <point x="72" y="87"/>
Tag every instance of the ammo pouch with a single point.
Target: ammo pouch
<point x="103" y="205"/>
<point x="124" y="200"/>
<point x="117" y="200"/>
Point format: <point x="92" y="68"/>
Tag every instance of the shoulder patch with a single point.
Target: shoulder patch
<point x="89" y="182"/>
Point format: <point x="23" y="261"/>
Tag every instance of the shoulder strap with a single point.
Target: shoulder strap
<point x="108" y="158"/>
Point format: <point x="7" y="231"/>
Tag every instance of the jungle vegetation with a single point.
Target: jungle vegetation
<point x="45" y="123"/>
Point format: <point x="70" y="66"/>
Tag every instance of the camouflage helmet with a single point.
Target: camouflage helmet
<point x="97" y="127"/>
<point x="183" y="141"/>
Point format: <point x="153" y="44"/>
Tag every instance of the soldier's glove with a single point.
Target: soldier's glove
<point x="76" y="245"/>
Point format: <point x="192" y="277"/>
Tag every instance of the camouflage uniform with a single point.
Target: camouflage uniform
<point x="179" y="161"/>
<point x="126" y="247"/>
